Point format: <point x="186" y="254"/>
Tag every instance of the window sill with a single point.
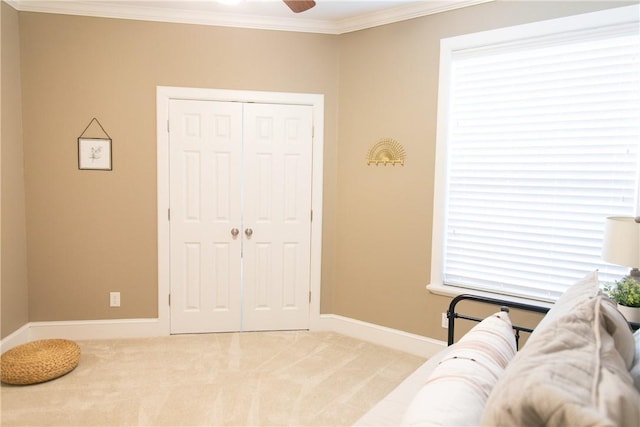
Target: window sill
<point x="454" y="291"/>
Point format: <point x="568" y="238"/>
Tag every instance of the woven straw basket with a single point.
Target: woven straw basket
<point x="39" y="361"/>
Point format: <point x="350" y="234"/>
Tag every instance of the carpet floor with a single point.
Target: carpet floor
<point x="288" y="378"/>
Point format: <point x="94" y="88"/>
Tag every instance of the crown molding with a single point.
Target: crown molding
<point x="119" y="10"/>
<point x="12" y="3"/>
<point x="172" y="15"/>
<point x="402" y="13"/>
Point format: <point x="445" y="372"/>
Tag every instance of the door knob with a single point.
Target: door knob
<point x="235" y="232"/>
<point x="248" y="232"/>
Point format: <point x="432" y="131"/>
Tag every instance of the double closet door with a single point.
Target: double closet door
<point x="240" y="216"/>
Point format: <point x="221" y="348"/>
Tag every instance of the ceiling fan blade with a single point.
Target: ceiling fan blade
<point x="298" y="6"/>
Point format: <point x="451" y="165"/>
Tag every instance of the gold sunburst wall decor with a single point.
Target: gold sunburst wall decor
<point x="387" y="151"/>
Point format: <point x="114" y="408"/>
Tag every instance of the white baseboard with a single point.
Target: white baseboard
<point x="393" y="338"/>
<point x="85" y="330"/>
<point x="97" y="329"/>
<point x="138" y="328"/>
<point x="19" y="336"/>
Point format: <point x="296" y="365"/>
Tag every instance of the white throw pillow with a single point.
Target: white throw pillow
<point x="457" y="389"/>
<point x="584" y="289"/>
<point x="587" y="289"/>
<point x="570" y="373"/>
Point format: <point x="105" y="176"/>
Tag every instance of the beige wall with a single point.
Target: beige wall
<point x="92" y="232"/>
<point x="388" y="88"/>
<point x="14" y="296"/>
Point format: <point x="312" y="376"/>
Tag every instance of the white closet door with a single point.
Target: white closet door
<point x="276" y="216"/>
<point x="205" y="207"/>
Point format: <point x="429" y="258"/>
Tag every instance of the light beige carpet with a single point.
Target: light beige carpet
<point x="295" y="378"/>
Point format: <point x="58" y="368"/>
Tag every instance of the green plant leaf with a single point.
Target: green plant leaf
<point x="624" y="292"/>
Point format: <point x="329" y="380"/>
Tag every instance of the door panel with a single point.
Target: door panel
<point x="277" y="208"/>
<point x="244" y="167"/>
<point x="205" y="152"/>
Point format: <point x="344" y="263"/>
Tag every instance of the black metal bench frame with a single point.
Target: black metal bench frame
<point x="504" y="305"/>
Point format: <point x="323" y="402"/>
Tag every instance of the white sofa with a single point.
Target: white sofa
<point x="581" y="366"/>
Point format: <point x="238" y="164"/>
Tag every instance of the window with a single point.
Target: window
<point x="538" y="142"/>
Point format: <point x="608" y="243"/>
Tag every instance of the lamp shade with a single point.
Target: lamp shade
<point x="622" y="242"/>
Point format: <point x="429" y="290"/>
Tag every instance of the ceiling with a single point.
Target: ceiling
<point x="328" y="16"/>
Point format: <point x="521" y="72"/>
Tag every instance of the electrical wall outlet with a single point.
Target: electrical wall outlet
<point x="114" y="299"/>
<point x="445" y="321"/>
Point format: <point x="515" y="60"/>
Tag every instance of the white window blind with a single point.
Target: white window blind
<point x="542" y="145"/>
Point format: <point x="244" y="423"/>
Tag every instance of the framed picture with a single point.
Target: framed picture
<point x="94" y="153"/>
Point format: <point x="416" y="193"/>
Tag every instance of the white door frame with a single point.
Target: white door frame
<point x="166" y="93"/>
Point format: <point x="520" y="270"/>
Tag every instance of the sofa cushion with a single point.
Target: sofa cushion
<point x="456" y="390"/>
<point x="584" y="290"/>
<point x="635" y="368"/>
<point x="570" y="372"/>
